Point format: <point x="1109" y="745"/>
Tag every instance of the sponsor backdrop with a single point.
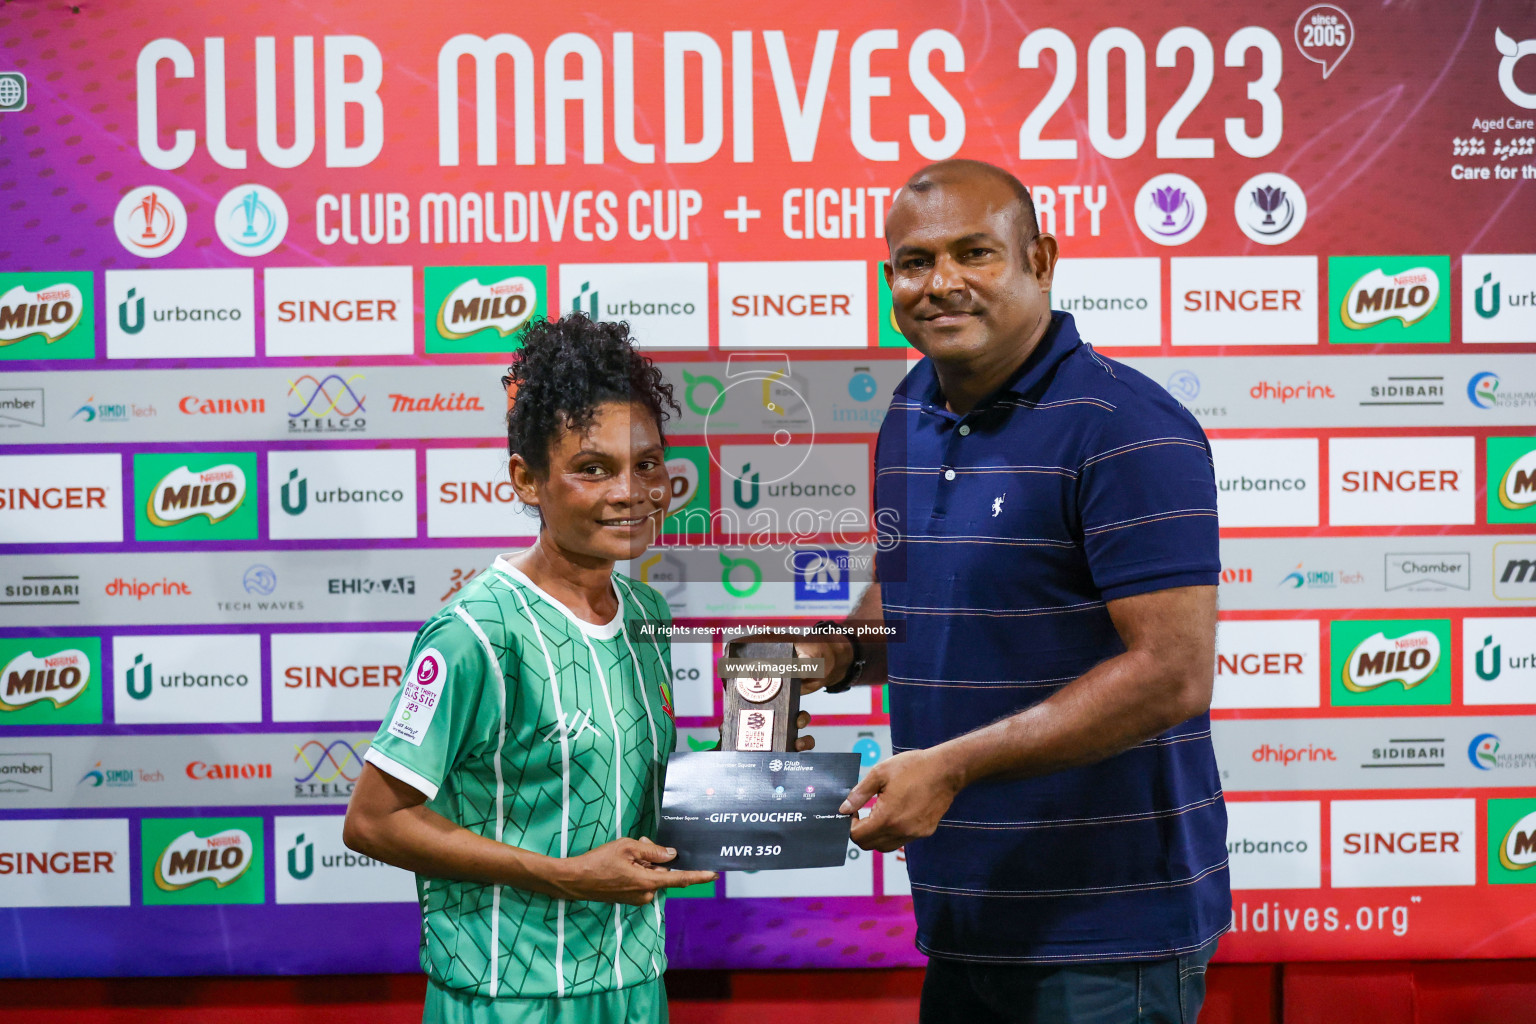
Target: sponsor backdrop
<point x="259" y="278"/>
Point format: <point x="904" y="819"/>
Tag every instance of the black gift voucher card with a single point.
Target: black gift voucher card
<point x="741" y="811"/>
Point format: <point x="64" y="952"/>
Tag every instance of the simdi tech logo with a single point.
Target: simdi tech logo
<point x="1390" y="662"/>
<point x="202" y="861"/>
<point x="478" y="309"/>
<point x="1379" y="300"/>
<point x="47" y="316"/>
<point x="1511" y="480"/>
<point x="1511" y="841"/>
<point x="194" y="496"/>
<point x="50" y="681"/>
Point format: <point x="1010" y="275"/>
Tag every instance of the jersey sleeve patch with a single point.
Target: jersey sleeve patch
<point x="418" y="703"/>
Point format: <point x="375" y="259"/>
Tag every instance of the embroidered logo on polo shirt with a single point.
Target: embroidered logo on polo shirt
<point x="997" y="504"/>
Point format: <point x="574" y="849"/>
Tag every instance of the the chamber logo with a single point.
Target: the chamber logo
<point x="58" y="677"/>
<point x="190" y="858"/>
<point x="215" y="493"/>
<point x="50" y="312"/>
<point x="1378" y="660"/>
<point x="503" y="306"/>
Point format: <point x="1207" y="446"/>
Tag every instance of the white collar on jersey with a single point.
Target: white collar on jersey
<point x="605" y="631"/>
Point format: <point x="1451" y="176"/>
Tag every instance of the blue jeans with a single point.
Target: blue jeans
<point x="1130" y="992"/>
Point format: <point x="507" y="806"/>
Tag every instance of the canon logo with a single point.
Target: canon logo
<point x="1285" y="755"/>
<point x="195" y="406"/>
<point x="792" y="305"/>
<point x="202" y="771"/>
<point x="311" y="311"/>
<point x="1246" y="300"/>
<point x="1408" y="480"/>
<point x="311" y="676"/>
<point x="1256" y="664"/>
<point x="1402" y="842"/>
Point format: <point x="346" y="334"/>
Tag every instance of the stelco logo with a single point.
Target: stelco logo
<point x="59" y="677"/>
<point x="504" y="305"/>
<point x="1517" y="488"/>
<point x="1517" y="851"/>
<point x="52" y="312"/>
<point x="181" y="495"/>
<point x="1408" y="296"/>
<point x="222" y="858"/>
<point x="1378" y="660"/>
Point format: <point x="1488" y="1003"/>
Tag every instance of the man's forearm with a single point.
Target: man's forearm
<point x="1110" y="708"/>
<point x="869" y="610"/>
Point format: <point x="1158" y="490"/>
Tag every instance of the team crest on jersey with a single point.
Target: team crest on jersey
<point x="666" y="699"/>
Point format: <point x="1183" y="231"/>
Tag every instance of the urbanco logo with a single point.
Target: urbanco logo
<point x="1498" y="660"/>
<point x="323" y="494"/>
<point x="181" y="314"/>
<point x="665" y="304"/>
<point x="1498" y="297"/>
<point x="184" y="679"/>
<point x="1266" y="481"/>
<point x="1115" y="302"/>
<point x="1274" y="844"/>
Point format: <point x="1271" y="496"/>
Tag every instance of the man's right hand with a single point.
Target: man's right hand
<point x="628" y="871"/>
<point x="836" y="652"/>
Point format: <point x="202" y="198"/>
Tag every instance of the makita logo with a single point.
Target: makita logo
<point x="53" y="312"/>
<point x="456" y="401"/>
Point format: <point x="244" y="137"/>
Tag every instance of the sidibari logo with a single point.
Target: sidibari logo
<point x="1517" y="487"/>
<point x="1517" y="850"/>
<point x="502" y="305"/>
<point x="59" y="677"/>
<point x="215" y="493"/>
<point x="50" y="312"/>
<point x="1407" y="296"/>
<point x="1378" y="660"/>
<point x="221" y="858"/>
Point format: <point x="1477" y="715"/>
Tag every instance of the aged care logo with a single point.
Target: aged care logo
<point x="221" y="858"/>
<point x="504" y="305"/>
<point x="50" y="312"/>
<point x="59" y="677"/>
<point x="1407" y="296"/>
<point x="1378" y="660"/>
<point x="215" y="493"/>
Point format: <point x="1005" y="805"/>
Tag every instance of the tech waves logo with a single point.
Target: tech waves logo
<point x="328" y="404"/>
<point x="503" y="306"/>
<point x="1511" y="52"/>
<point x="1407" y="296"/>
<point x="221" y="858"/>
<point x="59" y="678"/>
<point x="215" y="493"/>
<point x="1378" y="660"/>
<point x="50" y="312"/>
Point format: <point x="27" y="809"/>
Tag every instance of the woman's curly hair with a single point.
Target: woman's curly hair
<point x="564" y="370"/>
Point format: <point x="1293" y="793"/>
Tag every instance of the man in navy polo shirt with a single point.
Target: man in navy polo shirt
<point x="1048" y="534"/>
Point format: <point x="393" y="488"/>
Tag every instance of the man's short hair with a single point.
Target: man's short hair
<point x="929" y="178"/>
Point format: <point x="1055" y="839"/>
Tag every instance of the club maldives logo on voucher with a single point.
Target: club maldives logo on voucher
<point x="47" y="316"/>
<point x="202" y="496"/>
<point x="50" y="681"/>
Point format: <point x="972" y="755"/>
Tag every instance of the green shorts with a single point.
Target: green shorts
<point x="639" y="1004"/>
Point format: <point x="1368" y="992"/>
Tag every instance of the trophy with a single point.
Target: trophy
<point x="760" y="711"/>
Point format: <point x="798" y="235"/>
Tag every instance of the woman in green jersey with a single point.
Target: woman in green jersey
<point x="520" y="771"/>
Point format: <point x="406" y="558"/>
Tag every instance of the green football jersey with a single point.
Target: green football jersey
<point x="523" y="723"/>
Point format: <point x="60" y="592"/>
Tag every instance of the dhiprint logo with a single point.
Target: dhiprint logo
<point x="197" y="678"/>
<point x="478" y="309"/>
<point x="251" y="220"/>
<point x="1391" y="662"/>
<point x="181" y="314"/>
<point x="326" y="405"/>
<point x="1270" y="208"/>
<point x="665" y="304"/>
<point x="1498" y="298"/>
<point x="150" y="221"/>
<point x="1170" y="209"/>
<point x="202" y="860"/>
<point x="194" y="497"/>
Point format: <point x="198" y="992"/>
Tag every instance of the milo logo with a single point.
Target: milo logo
<point x="1378" y="660"/>
<point x="214" y="493"/>
<point x="502" y="305"/>
<point x="190" y="858"/>
<point x="59" y="677"/>
<point x="51" y="312"/>
<point x="1408" y="296"/>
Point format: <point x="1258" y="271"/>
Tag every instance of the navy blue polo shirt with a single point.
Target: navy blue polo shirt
<point x="1003" y="534"/>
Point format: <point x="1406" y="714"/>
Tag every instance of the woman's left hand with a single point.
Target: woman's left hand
<point x="805" y="742"/>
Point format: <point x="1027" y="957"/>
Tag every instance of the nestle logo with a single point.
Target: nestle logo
<point x="1429" y="570"/>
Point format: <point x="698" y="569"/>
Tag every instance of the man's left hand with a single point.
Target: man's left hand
<point x="915" y="789"/>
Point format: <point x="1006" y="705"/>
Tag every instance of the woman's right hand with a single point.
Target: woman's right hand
<point x="625" y="871"/>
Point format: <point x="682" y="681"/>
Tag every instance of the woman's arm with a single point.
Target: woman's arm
<point x="389" y="821"/>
